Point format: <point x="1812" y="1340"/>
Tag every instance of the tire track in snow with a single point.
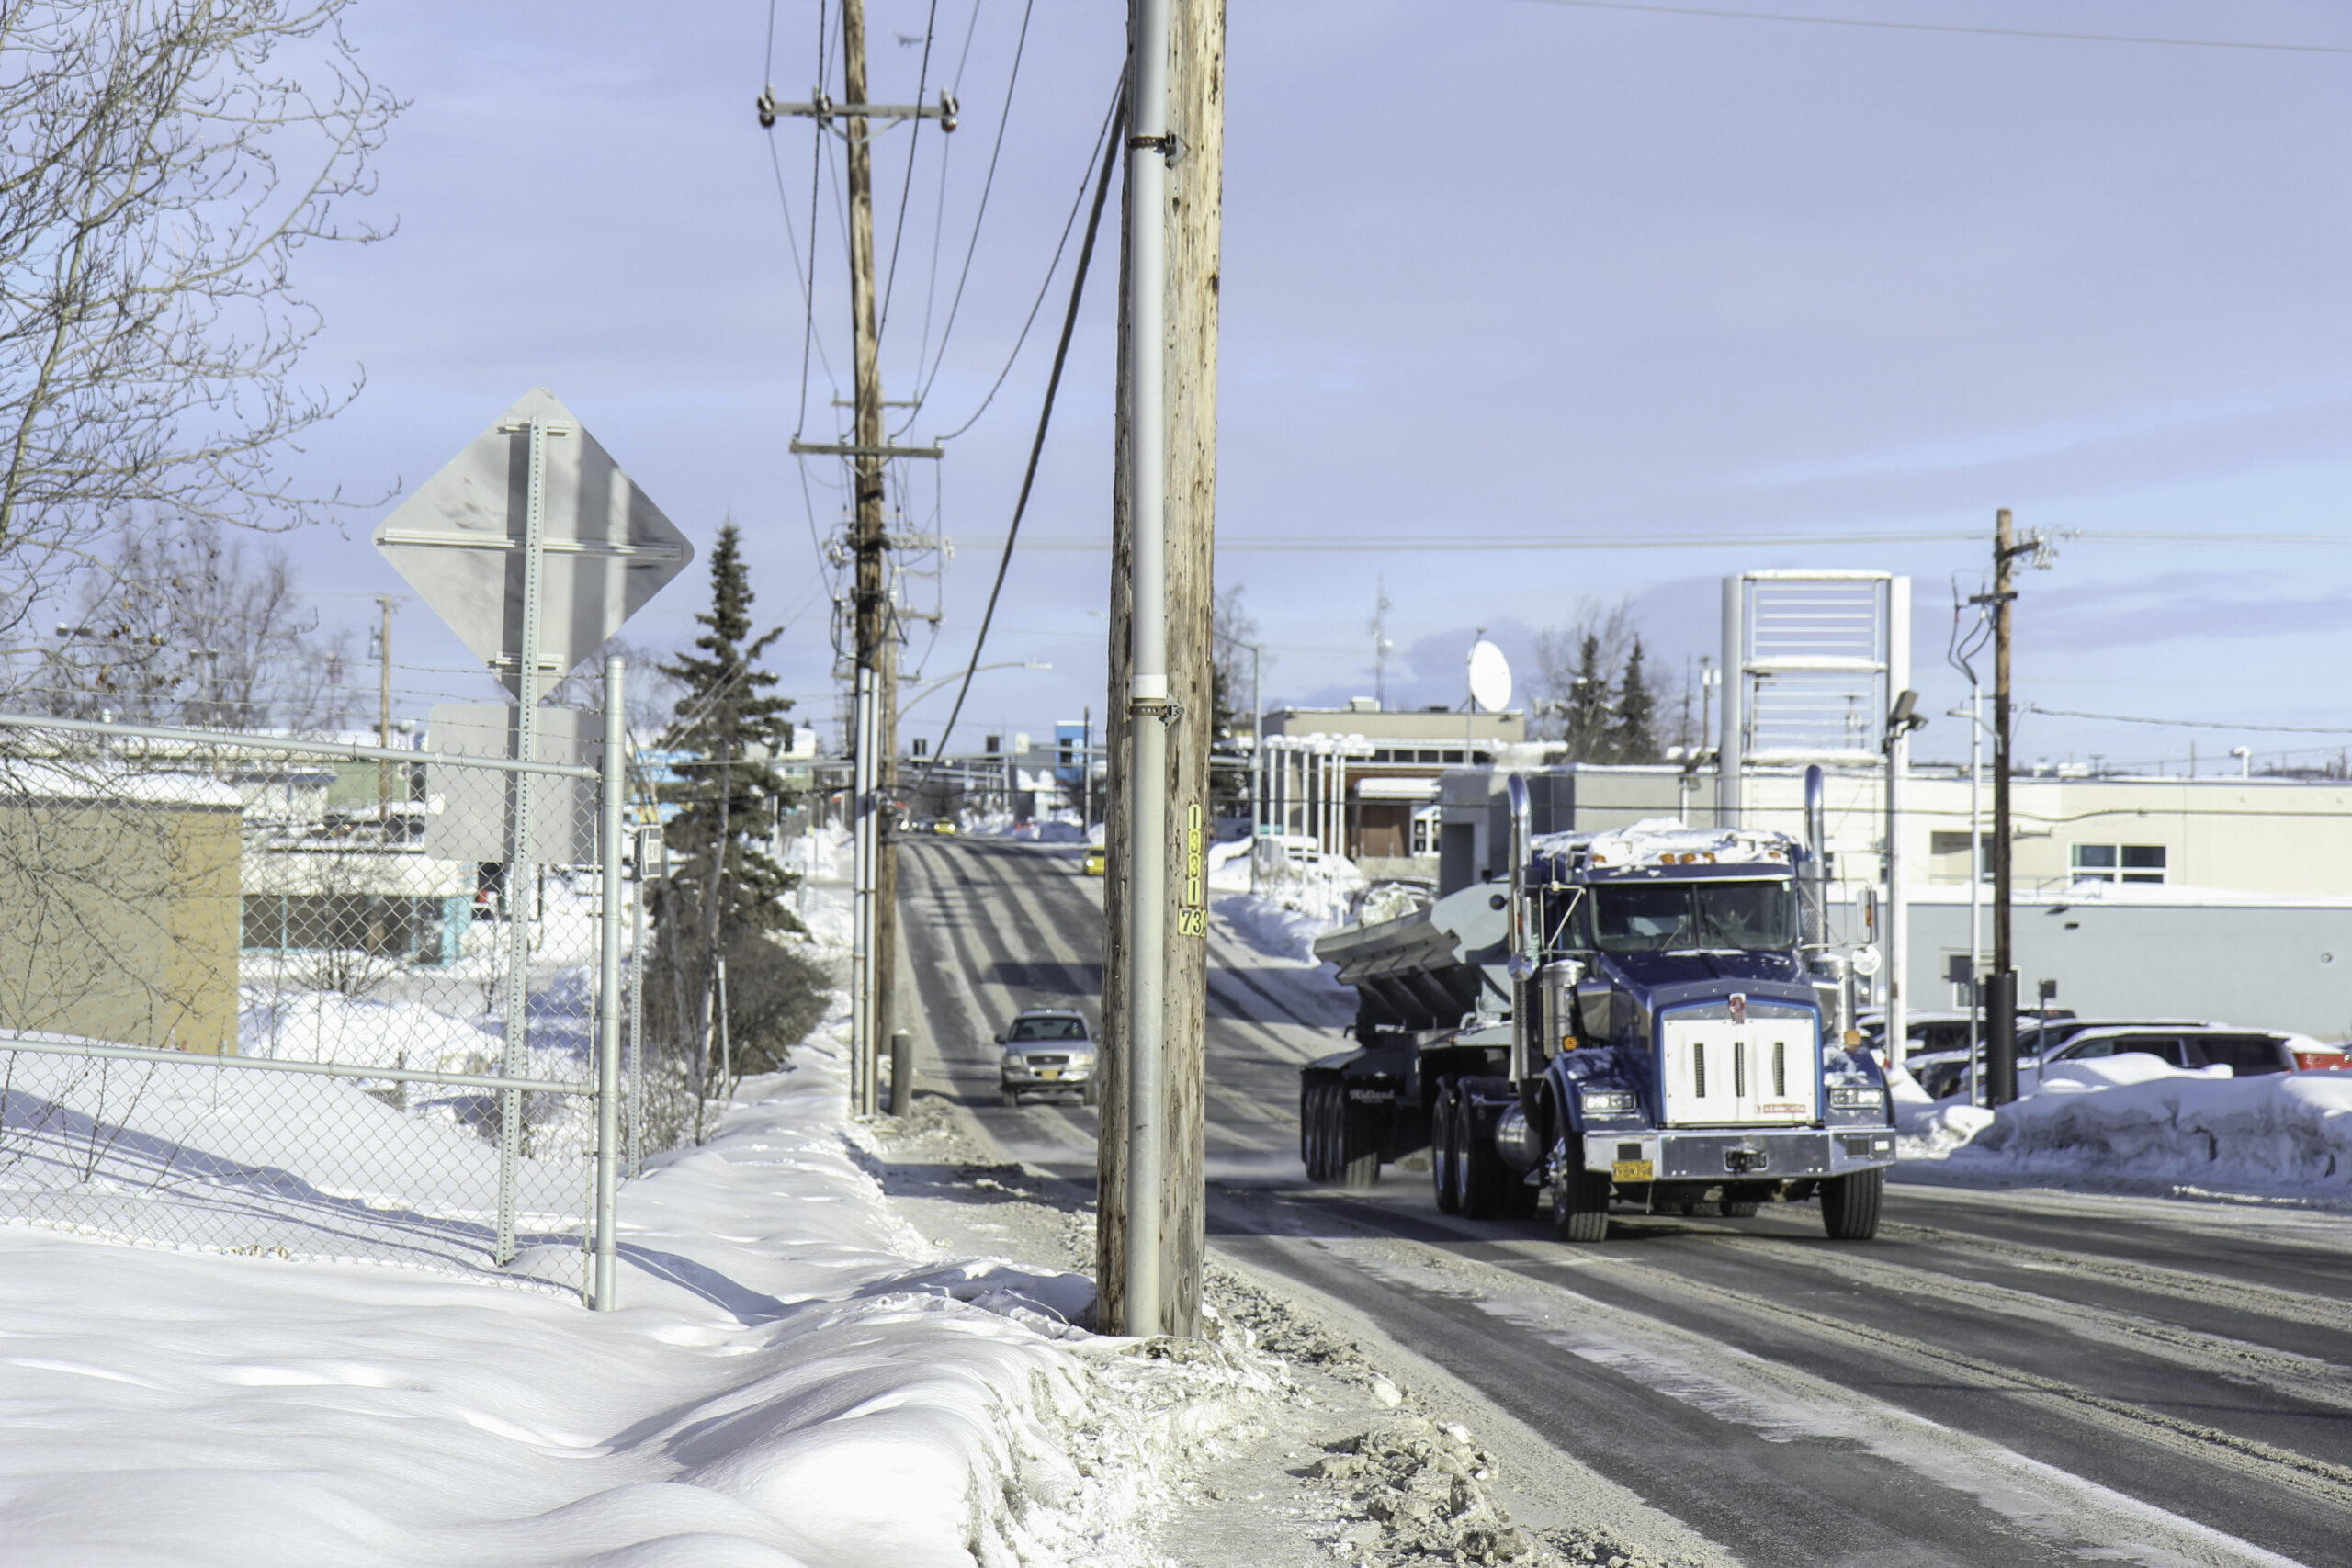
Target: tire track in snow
<point x="2238" y="1295"/>
<point x="1784" y="1405"/>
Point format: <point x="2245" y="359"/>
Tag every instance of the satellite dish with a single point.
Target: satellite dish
<point x="1489" y="678"/>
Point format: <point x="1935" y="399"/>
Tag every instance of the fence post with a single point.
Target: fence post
<point x="637" y="1011"/>
<point x="608" y="997"/>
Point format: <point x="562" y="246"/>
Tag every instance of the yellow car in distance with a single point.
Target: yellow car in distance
<point x="1096" y="864"/>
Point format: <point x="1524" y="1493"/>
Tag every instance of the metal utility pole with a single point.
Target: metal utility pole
<point x="1151" y="1232"/>
<point x="1900" y="720"/>
<point x="384" y="712"/>
<point x="875" y="942"/>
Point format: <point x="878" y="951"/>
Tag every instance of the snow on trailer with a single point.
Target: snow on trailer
<point x="1644" y="1016"/>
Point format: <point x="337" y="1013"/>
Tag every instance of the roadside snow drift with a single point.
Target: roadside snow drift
<point x="1291" y="907"/>
<point x="2139" y="1117"/>
<point x="795" y="1377"/>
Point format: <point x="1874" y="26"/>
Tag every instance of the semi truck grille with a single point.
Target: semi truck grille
<point x="1761" y="1071"/>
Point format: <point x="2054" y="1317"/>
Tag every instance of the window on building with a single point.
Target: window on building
<point x="1950" y="852"/>
<point x="2118" y="862"/>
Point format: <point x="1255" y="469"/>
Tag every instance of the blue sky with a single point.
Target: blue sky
<point x="1501" y="268"/>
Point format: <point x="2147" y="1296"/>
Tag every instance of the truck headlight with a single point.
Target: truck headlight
<point x="1858" y="1099"/>
<point x="1607" y="1103"/>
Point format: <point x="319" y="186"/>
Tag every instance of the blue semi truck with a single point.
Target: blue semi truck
<point x="1650" y="1018"/>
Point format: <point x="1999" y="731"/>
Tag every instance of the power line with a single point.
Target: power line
<point x="939" y="204"/>
<point x="1952" y="27"/>
<point x="1045" y="419"/>
<point x="1759" y="540"/>
<point x="2188" y="723"/>
<point x="1053" y="266"/>
<point x="1019" y="48"/>
<point x="914" y="139"/>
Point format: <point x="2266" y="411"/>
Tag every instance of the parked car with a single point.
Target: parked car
<point x="1945" y="1072"/>
<point x="1933" y="1032"/>
<point x="1048" y="1051"/>
<point x="2247" y="1053"/>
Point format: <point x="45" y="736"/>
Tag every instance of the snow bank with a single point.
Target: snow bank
<point x="1290" y="910"/>
<point x="794" y="1380"/>
<point x="1060" y="826"/>
<point x="2135" y="1116"/>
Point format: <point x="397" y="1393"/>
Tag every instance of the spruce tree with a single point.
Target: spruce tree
<point x="1589" y="733"/>
<point x="725" y="893"/>
<point x="1635" y="733"/>
<point x="731" y="729"/>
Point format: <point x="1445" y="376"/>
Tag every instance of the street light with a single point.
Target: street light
<point x="951" y="679"/>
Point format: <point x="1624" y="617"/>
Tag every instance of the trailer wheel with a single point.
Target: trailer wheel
<point x="1849" y="1205"/>
<point x="1740" y="1211"/>
<point x="1315" y="1139"/>
<point x="1443" y="1157"/>
<point x="1580" y="1206"/>
<point x="1358" y="1141"/>
<point x="1484" y="1181"/>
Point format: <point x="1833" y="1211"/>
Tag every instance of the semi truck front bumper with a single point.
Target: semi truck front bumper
<point x="1719" y="1155"/>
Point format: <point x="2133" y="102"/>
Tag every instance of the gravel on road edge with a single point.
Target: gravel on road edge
<point x="1373" y="1463"/>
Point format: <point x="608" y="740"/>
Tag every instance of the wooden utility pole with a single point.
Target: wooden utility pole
<point x="2001" y="988"/>
<point x="2004" y="561"/>
<point x="876" y="650"/>
<point x="1184" y="132"/>
<point x="875" y="670"/>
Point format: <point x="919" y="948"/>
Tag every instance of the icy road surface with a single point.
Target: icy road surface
<point x="2005" y="1377"/>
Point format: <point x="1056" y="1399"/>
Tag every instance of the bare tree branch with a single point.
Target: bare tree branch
<point x="161" y="162"/>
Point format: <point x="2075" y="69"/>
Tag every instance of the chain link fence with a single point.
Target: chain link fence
<point x="306" y="999"/>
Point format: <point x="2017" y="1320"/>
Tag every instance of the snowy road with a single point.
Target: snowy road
<point x="2003" y="1378"/>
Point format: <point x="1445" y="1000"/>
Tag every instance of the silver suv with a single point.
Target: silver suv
<point x="1048" y="1051"/>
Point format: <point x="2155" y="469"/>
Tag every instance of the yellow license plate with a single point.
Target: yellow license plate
<point x="1049" y="1072"/>
<point x="1632" y="1170"/>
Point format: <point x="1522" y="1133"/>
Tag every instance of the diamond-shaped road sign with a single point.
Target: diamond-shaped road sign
<point x="605" y="547"/>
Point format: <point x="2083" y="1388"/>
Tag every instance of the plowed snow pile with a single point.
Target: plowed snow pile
<point x="795" y="1378"/>
<point x="2135" y="1116"/>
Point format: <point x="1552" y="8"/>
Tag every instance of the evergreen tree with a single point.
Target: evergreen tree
<point x="1589" y="740"/>
<point x="725" y="892"/>
<point x="1634" y="737"/>
<point x="731" y="727"/>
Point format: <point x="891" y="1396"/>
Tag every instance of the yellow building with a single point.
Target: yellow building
<point x="119" y="906"/>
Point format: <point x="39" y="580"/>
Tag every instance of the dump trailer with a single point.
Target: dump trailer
<point x="1649" y="1016"/>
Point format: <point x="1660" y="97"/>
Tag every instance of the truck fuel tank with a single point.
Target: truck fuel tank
<point x="1515" y="1140"/>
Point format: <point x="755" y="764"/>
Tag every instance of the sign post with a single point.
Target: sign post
<point x="535" y="547"/>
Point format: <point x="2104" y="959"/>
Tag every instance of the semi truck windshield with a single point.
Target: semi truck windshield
<point x="1664" y="916"/>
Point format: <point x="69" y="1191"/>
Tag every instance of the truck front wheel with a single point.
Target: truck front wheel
<point x="1849" y="1205"/>
<point x="1580" y="1205"/>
